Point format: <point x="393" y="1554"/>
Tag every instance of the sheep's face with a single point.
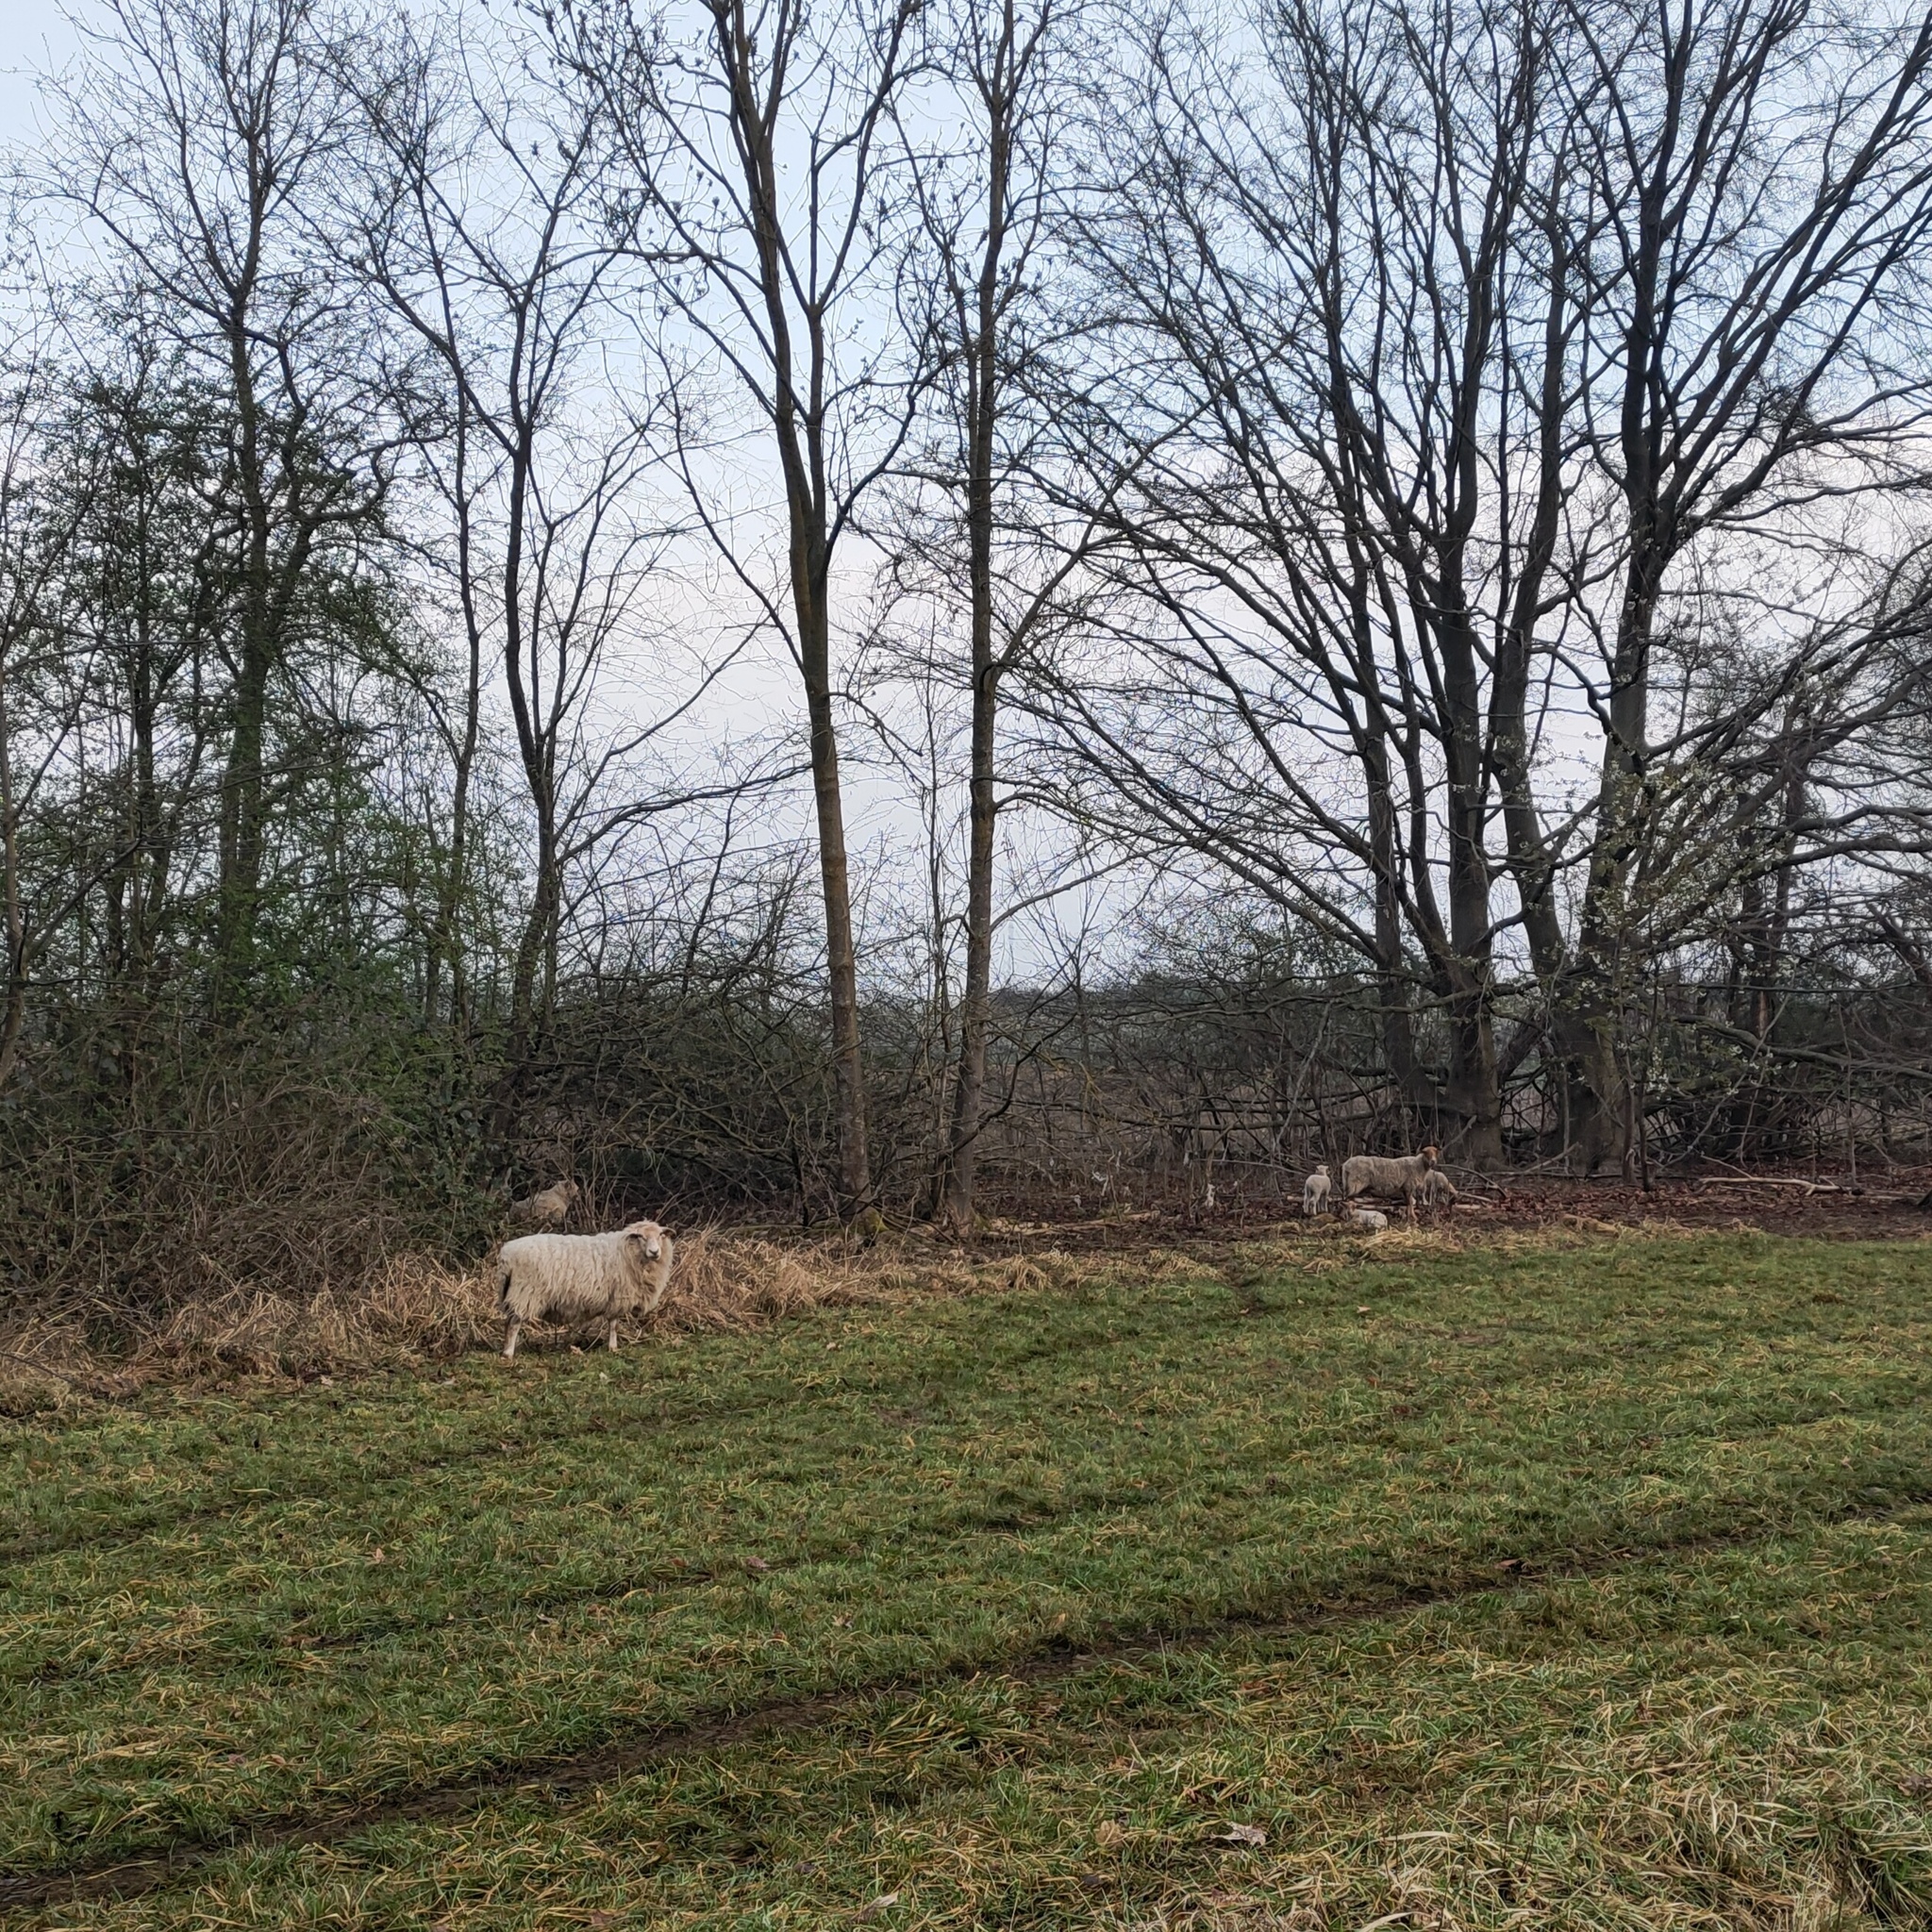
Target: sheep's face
<point x="650" y="1245"/>
<point x="1430" y="1156"/>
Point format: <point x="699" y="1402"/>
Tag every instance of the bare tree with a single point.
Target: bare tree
<point x="1385" y="364"/>
<point x="1315" y="445"/>
<point x="974" y="296"/>
<point x="486" y="235"/>
<point x="1761" y="180"/>
<point x="759" y="148"/>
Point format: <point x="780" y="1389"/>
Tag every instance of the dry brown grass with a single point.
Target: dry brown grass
<point x="415" y="1308"/>
<point x="48" y="1365"/>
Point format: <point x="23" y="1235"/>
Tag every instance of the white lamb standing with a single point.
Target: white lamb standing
<point x="1399" y="1179"/>
<point x="577" y="1275"/>
<point x="548" y="1208"/>
<point x="1437" y="1190"/>
<point x="1315" y="1193"/>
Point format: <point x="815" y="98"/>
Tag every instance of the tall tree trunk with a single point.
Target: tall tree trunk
<point x="983" y="402"/>
<point x="1526" y="842"/>
<point x="242" y="776"/>
<point x="242" y="828"/>
<point x="1391" y="980"/>
<point x="1593" y="1003"/>
<point x="842" y="958"/>
<point x="537" y="743"/>
<point x="445" y="941"/>
<point x="1594" y="994"/>
<point x="783" y="261"/>
<point x="969" y="1089"/>
<point x="240" y="886"/>
<point x="801" y="434"/>
<point x="1474" y="1081"/>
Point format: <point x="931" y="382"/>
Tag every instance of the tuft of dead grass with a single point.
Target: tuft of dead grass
<point x="413" y="1307"/>
<point x="48" y="1365"/>
<point x="735" y="1282"/>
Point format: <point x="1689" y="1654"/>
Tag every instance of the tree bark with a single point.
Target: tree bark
<point x="801" y="437"/>
<point x="984" y="375"/>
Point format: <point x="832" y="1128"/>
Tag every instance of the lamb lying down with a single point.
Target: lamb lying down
<point x="573" y="1277"/>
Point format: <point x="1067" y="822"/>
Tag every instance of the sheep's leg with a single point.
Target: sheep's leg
<point x="613" y="1338"/>
<point x="510" y="1342"/>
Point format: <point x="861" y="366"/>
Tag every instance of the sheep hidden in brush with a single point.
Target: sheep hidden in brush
<point x="1398" y="1179"/>
<point x="1315" y="1193"/>
<point x="610" y="1278"/>
<point x="547" y="1209"/>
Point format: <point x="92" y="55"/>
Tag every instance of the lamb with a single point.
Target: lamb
<point x="1315" y="1193"/>
<point x="1437" y="1190"/>
<point x="1369" y="1174"/>
<point x="1372" y="1219"/>
<point x="608" y="1275"/>
<point x="548" y="1210"/>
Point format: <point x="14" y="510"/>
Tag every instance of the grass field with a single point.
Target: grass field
<point x="1537" y="1584"/>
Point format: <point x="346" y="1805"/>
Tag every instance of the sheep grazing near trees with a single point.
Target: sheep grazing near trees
<point x="578" y="1275"/>
<point x="1437" y="1190"/>
<point x="1400" y="1179"/>
<point x="1315" y="1193"/>
<point x="548" y="1210"/>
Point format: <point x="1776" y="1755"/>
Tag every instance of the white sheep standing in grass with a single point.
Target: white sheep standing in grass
<point x="1397" y="1180"/>
<point x="548" y="1208"/>
<point x="1315" y="1193"/>
<point x="577" y="1275"/>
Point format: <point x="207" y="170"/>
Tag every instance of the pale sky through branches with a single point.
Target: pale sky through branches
<point x="34" y="40"/>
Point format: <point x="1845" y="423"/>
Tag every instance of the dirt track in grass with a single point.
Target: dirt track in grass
<point x="559" y="1779"/>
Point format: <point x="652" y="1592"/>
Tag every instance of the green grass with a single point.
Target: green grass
<point x="1057" y="1564"/>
